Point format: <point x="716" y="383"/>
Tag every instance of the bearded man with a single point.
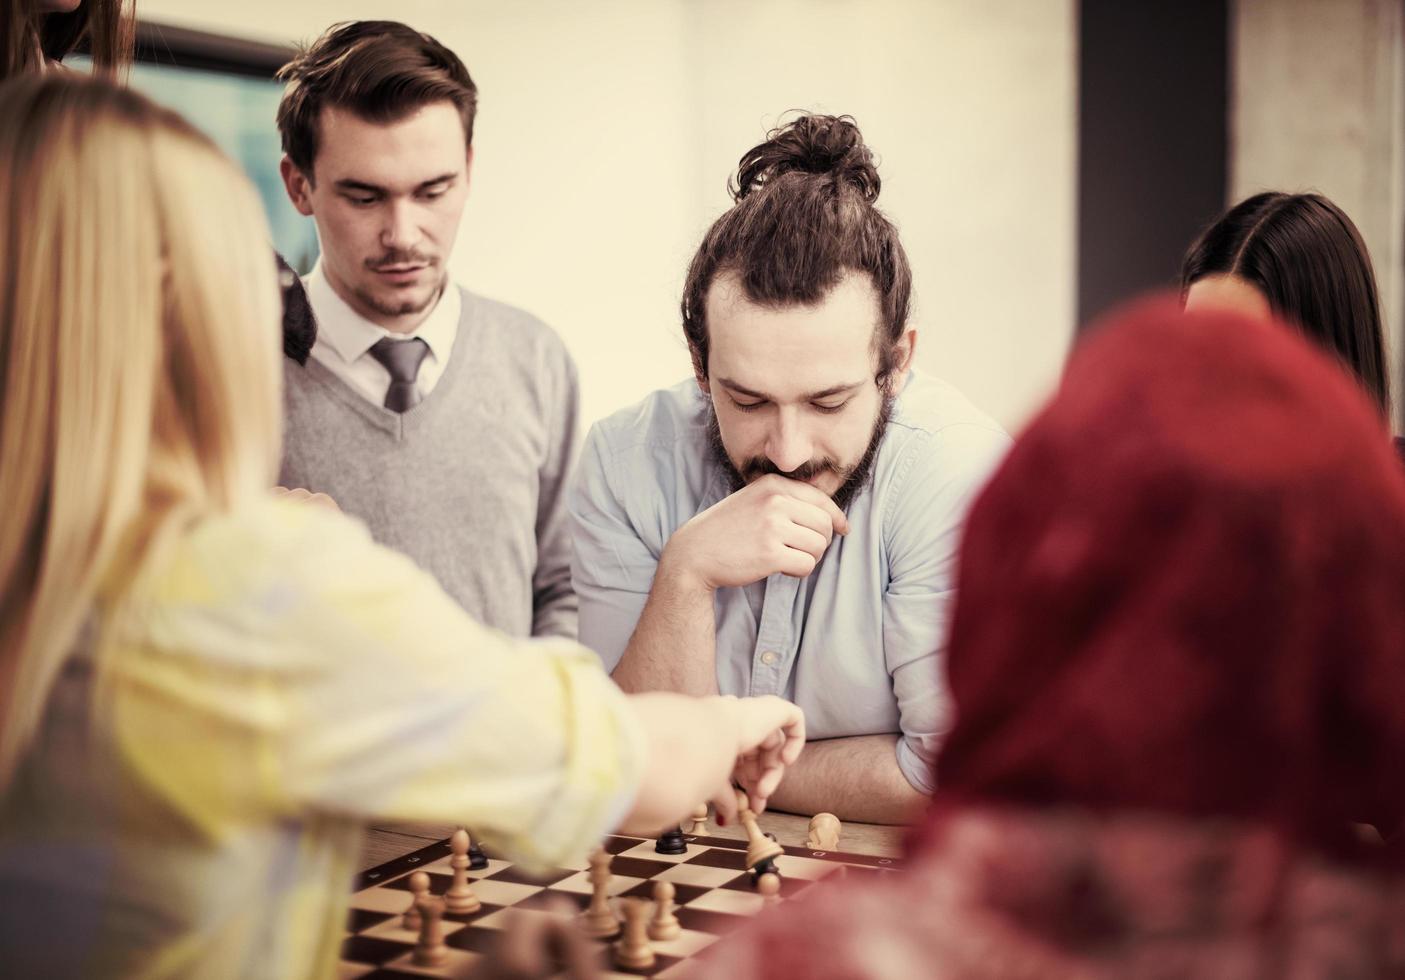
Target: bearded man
<point x="786" y="521"/>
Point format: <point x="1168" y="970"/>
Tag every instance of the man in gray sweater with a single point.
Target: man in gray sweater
<point x="444" y="420"/>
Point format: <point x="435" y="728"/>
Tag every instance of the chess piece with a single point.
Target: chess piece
<point x="760" y="848"/>
<point x="824" y="832"/>
<point x="431" y="949"/>
<point x="477" y="860"/>
<point x="599" y="919"/>
<point x="671" y="842"/>
<point x="633" y="951"/>
<point x="699" y="819"/>
<point x="766" y="866"/>
<point x="460" y="899"/>
<point x="769" y="885"/>
<point x="419" y="887"/>
<point x="664" y="925"/>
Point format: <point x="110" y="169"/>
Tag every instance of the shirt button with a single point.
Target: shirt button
<point x="769" y="658"/>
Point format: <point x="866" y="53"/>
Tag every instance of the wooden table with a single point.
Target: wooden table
<point x="390" y="841"/>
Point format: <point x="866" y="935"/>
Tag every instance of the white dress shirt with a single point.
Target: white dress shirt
<point x="345" y="338"/>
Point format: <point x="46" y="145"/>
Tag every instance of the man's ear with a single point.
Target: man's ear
<point x="299" y="188"/>
<point x="907" y="349"/>
<point x="895" y="378"/>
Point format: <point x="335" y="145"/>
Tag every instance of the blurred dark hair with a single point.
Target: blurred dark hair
<point x="1307" y="257"/>
<point x="380" y="70"/>
<point x="30" y="34"/>
<point x="803" y="216"/>
<point x="299" y="322"/>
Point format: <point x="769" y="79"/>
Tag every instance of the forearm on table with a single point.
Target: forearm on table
<point x="674" y="646"/>
<point x="854" y="778"/>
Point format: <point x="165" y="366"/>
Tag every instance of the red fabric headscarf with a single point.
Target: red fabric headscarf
<point x="1184" y="590"/>
<point x="1178" y="665"/>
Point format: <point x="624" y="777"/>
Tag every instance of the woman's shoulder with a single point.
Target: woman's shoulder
<point x="267" y="568"/>
<point x="263" y="538"/>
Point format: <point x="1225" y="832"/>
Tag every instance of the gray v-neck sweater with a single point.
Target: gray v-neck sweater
<point x="470" y="483"/>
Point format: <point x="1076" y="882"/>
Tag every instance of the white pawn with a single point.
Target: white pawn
<point x="419" y="887"/>
<point x="431" y="950"/>
<point x="769" y="885"/>
<point x="699" y="820"/>
<point x="460" y="899"/>
<point x="599" y="919"/>
<point x="824" y="832"/>
<point x="664" y="926"/>
<point x="633" y="951"/>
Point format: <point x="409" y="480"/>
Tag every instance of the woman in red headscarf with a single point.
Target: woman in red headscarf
<point x="1178" y="663"/>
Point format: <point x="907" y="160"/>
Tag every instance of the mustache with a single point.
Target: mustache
<point x="399" y="258"/>
<point x="853" y="478"/>
<point x="759" y="466"/>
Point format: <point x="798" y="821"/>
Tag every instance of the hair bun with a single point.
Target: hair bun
<point x="811" y="144"/>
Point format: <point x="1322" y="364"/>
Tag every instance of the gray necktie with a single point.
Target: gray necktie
<point x="402" y="358"/>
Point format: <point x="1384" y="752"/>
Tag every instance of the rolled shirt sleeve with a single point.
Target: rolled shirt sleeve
<point x="922" y="533"/>
<point x="347" y="682"/>
<point x="612" y="567"/>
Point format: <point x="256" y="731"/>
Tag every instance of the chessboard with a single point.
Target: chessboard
<point x="713" y="896"/>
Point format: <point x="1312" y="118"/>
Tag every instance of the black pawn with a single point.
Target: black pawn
<point x="766" y="867"/>
<point x="671" y="842"/>
<point x="477" y="860"/>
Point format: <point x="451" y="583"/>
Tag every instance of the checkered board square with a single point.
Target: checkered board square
<point x="713" y="895"/>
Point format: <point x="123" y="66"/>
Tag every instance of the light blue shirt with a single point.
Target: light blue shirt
<point x="858" y="644"/>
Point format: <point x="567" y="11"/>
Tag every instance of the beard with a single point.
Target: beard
<point x="851" y="478"/>
<point x="406" y="306"/>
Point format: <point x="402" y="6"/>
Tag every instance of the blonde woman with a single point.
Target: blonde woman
<point x="206" y="691"/>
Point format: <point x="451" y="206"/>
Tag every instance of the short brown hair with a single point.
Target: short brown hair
<point x="803" y="216"/>
<point x="380" y="70"/>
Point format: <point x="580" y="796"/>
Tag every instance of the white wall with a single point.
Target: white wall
<point x="1318" y="105"/>
<point x="607" y="130"/>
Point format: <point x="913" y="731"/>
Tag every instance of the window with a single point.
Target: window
<point x="225" y="87"/>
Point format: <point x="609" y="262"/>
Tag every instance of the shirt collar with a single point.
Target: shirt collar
<point x="351" y="335"/>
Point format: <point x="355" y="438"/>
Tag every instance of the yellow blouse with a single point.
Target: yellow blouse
<point x="194" y="803"/>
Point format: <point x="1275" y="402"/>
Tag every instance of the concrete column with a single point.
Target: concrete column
<point x="1317" y="104"/>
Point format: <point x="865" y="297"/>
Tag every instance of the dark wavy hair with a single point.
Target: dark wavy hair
<point x="1304" y="254"/>
<point x="27" y="34"/>
<point x="803" y="216"/>
<point x="380" y="70"/>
